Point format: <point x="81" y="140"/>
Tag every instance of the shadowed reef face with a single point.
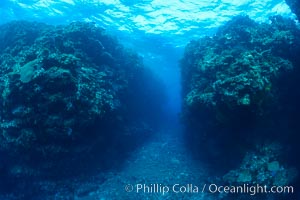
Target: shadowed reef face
<point x="72" y="98"/>
<point x="240" y="95"/>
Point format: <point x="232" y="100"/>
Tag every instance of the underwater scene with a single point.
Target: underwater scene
<point x="149" y="99"/>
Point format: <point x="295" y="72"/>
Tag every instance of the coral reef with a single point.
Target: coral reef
<point x="71" y="97"/>
<point x="240" y="89"/>
<point x="262" y="167"/>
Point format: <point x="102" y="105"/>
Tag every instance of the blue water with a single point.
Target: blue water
<point x="158" y="30"/>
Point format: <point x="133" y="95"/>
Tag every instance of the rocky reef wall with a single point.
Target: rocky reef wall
<point x="72" y="98"/>
<point x="241" y="99"/>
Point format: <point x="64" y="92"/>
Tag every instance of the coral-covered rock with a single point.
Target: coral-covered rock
<point x="70" y="96"/>
<point x="236" y="86"/>
<point x="262" y="167"/>
<point x="259" y="171"/>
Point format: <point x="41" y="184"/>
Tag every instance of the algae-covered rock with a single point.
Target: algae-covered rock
<point x="69" y="95"/>
<point x="262" y="167"/>
<point x="239" y="87"/>
<point x="273" y="166"/>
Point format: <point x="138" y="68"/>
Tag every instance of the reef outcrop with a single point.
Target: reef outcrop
<point x="240" y="90"/>
<point x="71" y="97"/>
